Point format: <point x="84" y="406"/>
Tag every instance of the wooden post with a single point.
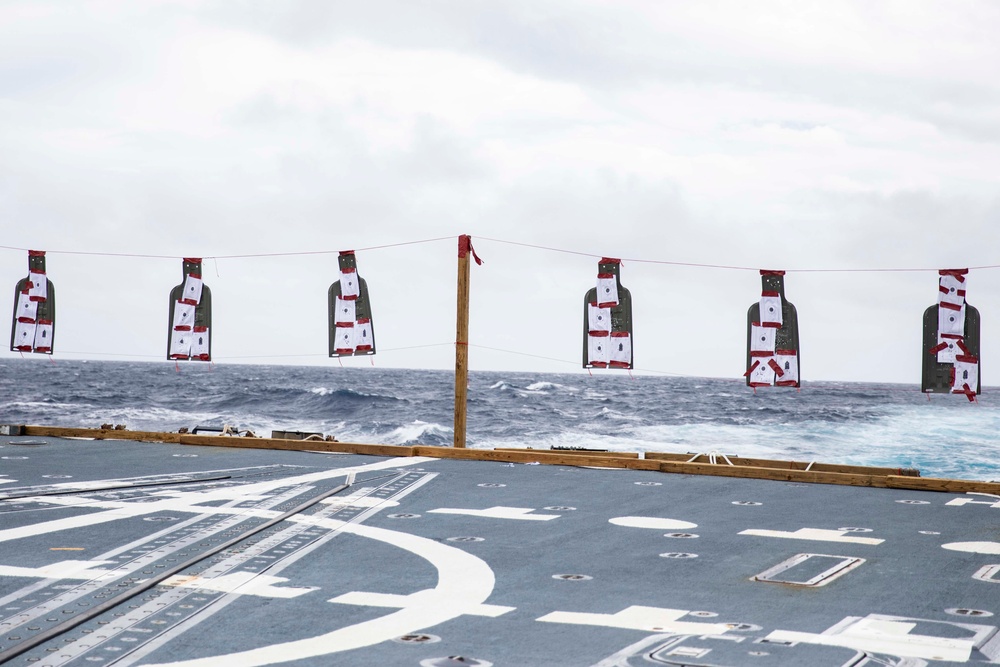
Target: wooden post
<point x="462" y="340"/>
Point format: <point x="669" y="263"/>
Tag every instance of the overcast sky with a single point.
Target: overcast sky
<point x="785" y="135"/>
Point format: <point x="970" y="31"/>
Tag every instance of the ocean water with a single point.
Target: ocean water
<point x="863" y="424"/>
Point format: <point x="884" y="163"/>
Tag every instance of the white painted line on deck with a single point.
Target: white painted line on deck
<point x="652" y="522"/>
<point x="499" y="512"/>
<point x="187" y="502"/>
<point x="394" y="601"/>
<point x="960" y="502"/>
<point x="882" y="636"/>
<point x="66" y="569"/>
<point x="241" y="583"/>
<point x="989" y="573"/>
<point x="464" y="584"/>
<point x="974" y="547"/>
<point x="363" y="502"/>
<point x="816" y="534"/>
<point x="646" y="619"/>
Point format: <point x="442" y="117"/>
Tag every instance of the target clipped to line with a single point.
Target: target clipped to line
<point x="33" y="325"/>
<point x="190" y="316"/>
<point x="350" y="312"/>
<point x="951" y="339"/>
<point x="607" y="320"/>
<point x="772" y="336"/>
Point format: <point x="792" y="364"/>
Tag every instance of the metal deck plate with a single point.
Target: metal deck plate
<point x="446" y="562"/>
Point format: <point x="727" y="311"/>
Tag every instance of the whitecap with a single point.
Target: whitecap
<point x="414" y="431"/>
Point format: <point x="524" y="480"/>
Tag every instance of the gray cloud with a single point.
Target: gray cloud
<point x="616" y="47"/>
<point x="799" y="136"/>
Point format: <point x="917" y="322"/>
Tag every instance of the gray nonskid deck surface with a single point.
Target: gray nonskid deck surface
<point x="445" y="562"/>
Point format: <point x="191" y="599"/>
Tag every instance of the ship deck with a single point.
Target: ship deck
<point x="118" y="552"/>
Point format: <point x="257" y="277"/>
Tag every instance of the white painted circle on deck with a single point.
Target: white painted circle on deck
<point x="974" y="547"/>
<point x="653" y="522"/>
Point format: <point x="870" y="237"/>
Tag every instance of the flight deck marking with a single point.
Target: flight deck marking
<point x="656" y="523"/>
<point x="125" y="510"/>
<point x="648" y="619"/>
<point x="148" y="550"/>
<point x="974" y="547"/>
<point x="243" y="583"/>
<point x="465" y="582"/>
<point x="817" y="534"/>
<point x="124" y="483"/>
<point x="499" y="512"/>
<point x="359" y="502"/>
<point x="66" y="569"/>
<point x="185" y="534"/>
<point x="887" y="637"/>
<point x="840" y="566"/>
<point x="398" y="488"/>
<point x="883" y="635"/>
<point x="959" y="502"/>
<point x="155" y="611"/>
<point x="392" y="600"/>
<point x="988" y="573"/>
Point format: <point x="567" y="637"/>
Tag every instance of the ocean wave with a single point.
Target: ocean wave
<point x="893" y="426"/>
<point x="420" y="433"/>
<point x="45" y="404"/>
<point x="540" y="387"/>
<point x="608" y="413"/>
<point x="551" y="386"/>
<point x="353" y="394"/>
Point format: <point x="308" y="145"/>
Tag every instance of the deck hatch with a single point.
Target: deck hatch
<point x="809" y="569"/>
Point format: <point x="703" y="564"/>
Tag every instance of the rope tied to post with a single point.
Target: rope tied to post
<point x="713" y="457"/>
<point x="465" y="247"/>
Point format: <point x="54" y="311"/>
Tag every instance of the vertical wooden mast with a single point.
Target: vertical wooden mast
<point x="462" y="340"/>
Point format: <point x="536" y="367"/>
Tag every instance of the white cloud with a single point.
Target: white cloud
<point x="780" y="135"/>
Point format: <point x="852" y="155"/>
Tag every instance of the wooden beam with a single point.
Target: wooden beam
<point x="100" y="434"/>
<point x="570" y="452"/>
<point x="786" y="471"/>
<point x="753" y="472"/>
<point x="946" y="485"/>
<point x="462" y="341"/>
<point x="535" y="456"/>
<point x="295" y="445"/>
<point x="791" y="465"/>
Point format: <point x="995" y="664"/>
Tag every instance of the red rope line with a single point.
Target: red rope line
<point x="114" y="354"/>
<point x="319" y="354"/>
<point x="130" y="355"/>
<point x="246" y="256"/>
<point x="95" y="254"/>
<point x="887" y="387"/>
<point x="884" y="385"/>
<point x="638" y="260"/>
<point x="328" y="252"/>
<point x="522" y="354"/>
<point x="566" y="361"/>
<point x="717" y="266"/>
